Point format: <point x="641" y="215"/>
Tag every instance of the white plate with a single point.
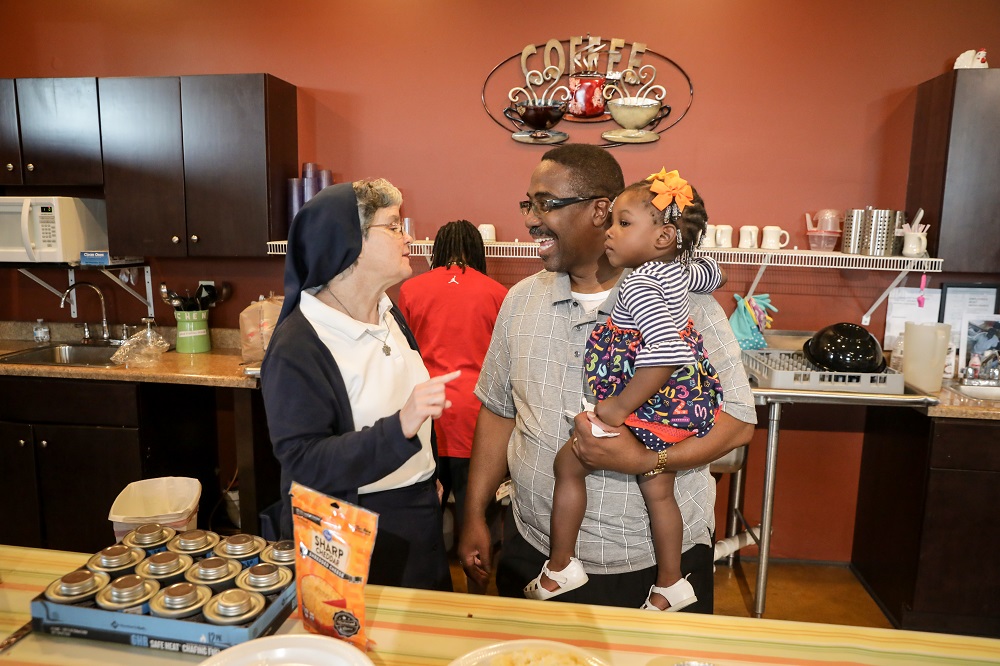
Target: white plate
<point x="484" y="655"/>
<point x="291" y="650"/>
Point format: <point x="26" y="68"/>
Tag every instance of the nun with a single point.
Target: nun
<point x="349" y="402"/>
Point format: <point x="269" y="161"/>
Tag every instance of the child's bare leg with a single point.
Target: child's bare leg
<point x="569" y="503"/>
<point x="667" y="529"/>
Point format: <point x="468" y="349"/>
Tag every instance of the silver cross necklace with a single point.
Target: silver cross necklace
<point x="386" y="349"/>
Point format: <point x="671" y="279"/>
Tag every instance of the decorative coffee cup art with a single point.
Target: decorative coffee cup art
<point x="638" y="110"/>
<point x="539" y="112"/>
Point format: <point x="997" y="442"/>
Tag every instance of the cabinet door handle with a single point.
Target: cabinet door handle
<point x="31" y="167"/>
<point x="21" y="442"/>
<point x="175" y="239"/>
<point x="44" y="443"/>
<point x="10" y="167"/>
<point x="194" y="238"/>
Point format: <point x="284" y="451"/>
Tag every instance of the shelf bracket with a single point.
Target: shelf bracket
<point x="866" y="318"/>
<point x="760" y="274"/>
<point x="71" y="278"/>
<point x="148" y="300"/>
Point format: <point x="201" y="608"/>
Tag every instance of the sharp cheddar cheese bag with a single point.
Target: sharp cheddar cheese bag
<point x="334" y="541"/>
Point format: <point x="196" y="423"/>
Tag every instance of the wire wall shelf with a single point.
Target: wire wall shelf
<point x="734" y="256"/>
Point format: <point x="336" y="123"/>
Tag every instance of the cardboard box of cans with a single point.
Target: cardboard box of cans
<point x="191" y="593"/>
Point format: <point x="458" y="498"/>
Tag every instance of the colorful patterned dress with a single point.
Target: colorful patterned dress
<point x="650" y="325"/>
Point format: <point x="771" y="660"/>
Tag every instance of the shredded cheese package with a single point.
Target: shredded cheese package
<point x="334" y="541"/>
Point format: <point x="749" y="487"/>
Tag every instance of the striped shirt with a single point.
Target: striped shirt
<point x="654" y="300"/>
<point x="533" y="371"/>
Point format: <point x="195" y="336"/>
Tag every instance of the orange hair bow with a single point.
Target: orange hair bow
<point x="670" y="187"/>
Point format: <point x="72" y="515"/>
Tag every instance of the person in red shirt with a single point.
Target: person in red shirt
<point x="451" y="310"/>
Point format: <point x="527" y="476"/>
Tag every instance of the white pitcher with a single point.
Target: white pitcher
<point x="914" y="244"/>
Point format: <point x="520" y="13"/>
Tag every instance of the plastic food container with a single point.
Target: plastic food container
<point x="823" y="241"/>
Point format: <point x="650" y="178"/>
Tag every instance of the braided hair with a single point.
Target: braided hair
<point x="459" y="243"/>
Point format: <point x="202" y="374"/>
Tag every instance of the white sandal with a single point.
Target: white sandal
<point x="679" y="595"/>
<point x="570" y="578"/>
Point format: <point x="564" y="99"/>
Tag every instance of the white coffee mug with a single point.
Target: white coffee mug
<point x="771" y="238"/>
<point x="724" y="236"/>
<point x="708" y="240"/>
<point x="914" y="244"/>
<point x="748" y="236"/>
<point x="488" y="232"/>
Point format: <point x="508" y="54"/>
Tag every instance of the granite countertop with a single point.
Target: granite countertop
<point x="954" y="405"/>
<point x="219" y="367"/>
<point x="223" y="366"/>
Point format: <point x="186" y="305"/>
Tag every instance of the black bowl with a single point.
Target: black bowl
<point x="845" y="347"/>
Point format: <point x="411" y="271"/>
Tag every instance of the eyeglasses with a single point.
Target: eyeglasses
<point x="396" y="229"/>
<point x="549" y="205"/>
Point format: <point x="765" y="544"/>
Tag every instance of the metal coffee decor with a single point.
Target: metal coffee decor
<point x="585" y="82"/>
<point x="539" y="113"/>
<point x="644" y="106"/>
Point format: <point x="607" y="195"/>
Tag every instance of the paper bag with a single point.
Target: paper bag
<point x="256" y="325"/>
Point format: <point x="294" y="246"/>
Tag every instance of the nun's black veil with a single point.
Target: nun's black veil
<point x="323" y="241"/>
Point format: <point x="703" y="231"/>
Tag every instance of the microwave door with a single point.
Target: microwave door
<point x="29" y="247"/>
<point x="15" y="230"/>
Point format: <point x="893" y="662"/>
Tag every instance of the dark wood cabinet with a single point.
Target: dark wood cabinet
<point x="80" y="471"/>
<point x="21" y="524"/>
<point x="143" y="166"/>
<point x="197" y="165"/>
<point x="10" y="136"/>
<point x="60" y="131"/>
<point x="924" y="535"/>
<point x="240" y="146"/>
<point x="954" y="162"/>
<point x="84" y="441"/>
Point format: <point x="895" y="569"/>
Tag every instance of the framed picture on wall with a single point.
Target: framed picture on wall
<point x="980" y="339"/>
<point x="962" y="299"/>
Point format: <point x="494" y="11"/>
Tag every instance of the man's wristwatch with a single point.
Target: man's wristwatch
<point x="661" y="463"/>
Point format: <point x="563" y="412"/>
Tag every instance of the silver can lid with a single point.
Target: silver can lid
<point x="234" y="606"/>
<point x="127" y="588"/>
<point x="233" y="602"/>
<point x="118" y="555"/>
<point x="149" y="533"/>
<point x="164" y="563"/>
<point x="283" y="551"/>
<point x="239" y="544"/>
<point x="263" y="575"/>
<point x="76" y="586"/>
<point x="77" y="582"/>
<point x="266" y="578"/>
<point x="213" y="570"/>
<point x="180" y="595"/>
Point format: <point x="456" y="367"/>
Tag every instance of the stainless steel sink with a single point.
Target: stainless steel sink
<point x="93" y="355"/>
<point x="977" y="392"/>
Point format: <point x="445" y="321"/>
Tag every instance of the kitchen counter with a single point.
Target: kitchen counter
<point x="414" y="627"/>
<point x="219" y="367"/>
<point x="224" y="367"/>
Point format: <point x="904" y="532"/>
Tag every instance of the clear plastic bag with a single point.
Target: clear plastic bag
<point x="142" y="349"/>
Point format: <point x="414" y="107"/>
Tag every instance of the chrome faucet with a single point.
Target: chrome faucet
<point x="105" y="331"/>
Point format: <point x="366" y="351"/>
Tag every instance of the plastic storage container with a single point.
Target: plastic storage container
<point x="171" y="501"/>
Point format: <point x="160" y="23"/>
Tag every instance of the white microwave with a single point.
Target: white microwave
<point x="51" y="229"/>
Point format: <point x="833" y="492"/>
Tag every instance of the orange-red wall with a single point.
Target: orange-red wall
<point x="797" y="106"/>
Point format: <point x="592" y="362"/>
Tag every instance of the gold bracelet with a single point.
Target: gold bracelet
<point x="661" y="463"/>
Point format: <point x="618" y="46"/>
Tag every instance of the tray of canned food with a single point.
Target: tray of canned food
<point x="193" y="592"/>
